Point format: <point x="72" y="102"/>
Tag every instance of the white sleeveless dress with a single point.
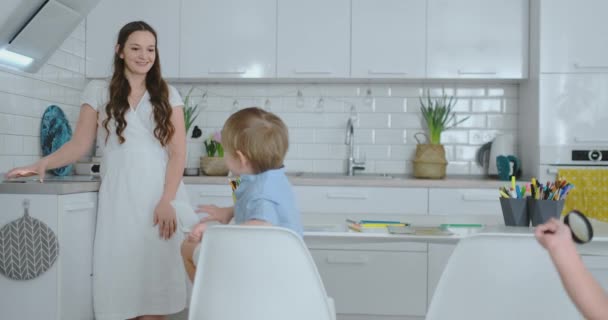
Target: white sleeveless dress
<point x="135" y="272"/>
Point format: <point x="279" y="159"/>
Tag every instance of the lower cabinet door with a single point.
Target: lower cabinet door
<point x="598" y="266"/>
<point x="374" y="282"/>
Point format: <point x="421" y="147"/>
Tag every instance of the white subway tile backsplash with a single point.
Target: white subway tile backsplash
<point x="390" y="105"/>
<point x="406" y="120"/>
<point x="297" y="135"/>
<point x="470" y="92"/>
<point x="457" y="168"/>
<point x="504" y="121"/>
<point x="329" y="165"/>
<point x="510" y="106"/>
<point x="455" y="136"/>
<point x="473" y="121"/>
<point x="486" y="105"/>
<point x="390" y="136"/>
<point x="477" y="137"/>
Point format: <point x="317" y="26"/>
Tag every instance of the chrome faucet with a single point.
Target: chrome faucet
<point x="352" y="164"/>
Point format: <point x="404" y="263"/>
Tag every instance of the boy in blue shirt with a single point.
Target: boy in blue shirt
<point x="255" y="143"/>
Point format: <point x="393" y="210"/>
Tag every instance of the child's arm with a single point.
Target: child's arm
<point x="583" y="289"/>
<point x="196" y="234"/>
<point x="215" y="213"/>
<point x="256" y="223"/>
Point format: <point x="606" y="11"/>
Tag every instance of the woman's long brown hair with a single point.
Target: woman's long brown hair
<point x="120" y="89"/>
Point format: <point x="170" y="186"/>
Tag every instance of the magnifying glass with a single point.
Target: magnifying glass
<point x="581" y="229"/>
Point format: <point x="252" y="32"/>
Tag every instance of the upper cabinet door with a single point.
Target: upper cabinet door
<point x="313" y="39"/>
<point x="477" y="39"/>
<point x="573" y="36"/>
<point x="106" y="19"/>
<point x="228" y="39"/>
<point x="388" y="38"/>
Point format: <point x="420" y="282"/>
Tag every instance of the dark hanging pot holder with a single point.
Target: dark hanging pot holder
<point x="28" y="247"/>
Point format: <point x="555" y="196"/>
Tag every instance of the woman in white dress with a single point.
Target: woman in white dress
<point x="138" y="273"/>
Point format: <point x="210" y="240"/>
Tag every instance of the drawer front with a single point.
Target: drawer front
<point x="464" y="202"/>
<point x="378" y="283"/>
<point x="219" y="195"/>
<point x="353" y="200"/>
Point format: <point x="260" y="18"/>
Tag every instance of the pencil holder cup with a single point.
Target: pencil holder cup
<point x="515" y="212"/>
<point x="543" y="210"/>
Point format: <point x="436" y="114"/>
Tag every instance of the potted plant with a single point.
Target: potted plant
<point x="213" y="164"/>
<point x="438" y="115"/>
<point x="190" y="114"/>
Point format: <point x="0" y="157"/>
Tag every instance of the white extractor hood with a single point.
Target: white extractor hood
<point x="31" y="30"/>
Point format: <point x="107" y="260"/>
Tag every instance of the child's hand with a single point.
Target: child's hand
<point x="196" y="234"/>
<point x="221" y="215"/>
<point x="553" y="234"/>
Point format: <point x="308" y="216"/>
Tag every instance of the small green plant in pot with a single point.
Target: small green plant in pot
<point x="438" y="115"/>
<point x="213" y="164"/>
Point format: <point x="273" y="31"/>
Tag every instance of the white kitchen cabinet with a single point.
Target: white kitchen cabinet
<point x="438" y="256"/>
<point x="572" y="112"/>
<point x="380" y="283"/>
<point x="573" y="36"/>
<point x="106" y="19"/>
<point x="64" y="292"/>
<point x="451" y="201"/>
<point x="216" y="194"/>
<point x="477" y="39"/>
<point x="361" y="200"/>
<point x="228" y="39"/>
<point x="388" y="39"/>
<point x="313" y="39"/>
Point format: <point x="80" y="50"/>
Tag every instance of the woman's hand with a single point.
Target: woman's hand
<point x="220" y="214"/>
<point x="164" y="217"/>
<point x="38" y="168"/>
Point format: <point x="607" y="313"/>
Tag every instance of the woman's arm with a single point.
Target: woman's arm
<point x="81" y="142"/>
<point x="164" y="213"/>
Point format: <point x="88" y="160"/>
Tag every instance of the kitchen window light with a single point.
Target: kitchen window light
<point x="14" y="59"/>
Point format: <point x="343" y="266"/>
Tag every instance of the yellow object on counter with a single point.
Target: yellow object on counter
<point x="590" y="193"/>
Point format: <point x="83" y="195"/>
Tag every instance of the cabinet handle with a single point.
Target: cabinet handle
<point x="79" y="206"/>
<point x="584" y="66"/>
<point x="347" y="260"/>
<point x="311" y="72"/>
<point x="464" y="72"/>
<point x="227" y="72"/>
<point x="479" y="197"/>
<point x="211" y="194"/>
<point x="395" y="73"/>
<point x="578" y="139"/>
<point x="346" y="196"/>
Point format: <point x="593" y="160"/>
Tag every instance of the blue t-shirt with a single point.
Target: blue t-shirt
<point x="268" y="197"/>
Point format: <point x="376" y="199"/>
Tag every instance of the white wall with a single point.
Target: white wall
<point x="385" y="129"/>
<point x="25" y="96"/>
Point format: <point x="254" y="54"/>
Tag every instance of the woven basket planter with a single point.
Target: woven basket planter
<point x="214" y="166"/>
<point x="430" y="162"/>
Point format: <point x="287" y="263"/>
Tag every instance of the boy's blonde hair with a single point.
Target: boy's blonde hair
<point x="260" y="135"/>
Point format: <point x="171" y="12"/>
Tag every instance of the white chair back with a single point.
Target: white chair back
<point x="500" y="277"/>
<point x="251" y="272"/>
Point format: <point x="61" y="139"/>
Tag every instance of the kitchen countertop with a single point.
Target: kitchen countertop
<point x="339" y="235"/>
<point x="77" y="184"/>
<point x="51" y="185"/>
<point x="370" y="180"/>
